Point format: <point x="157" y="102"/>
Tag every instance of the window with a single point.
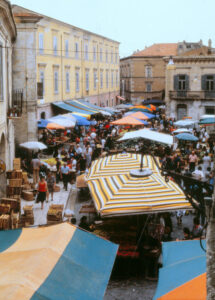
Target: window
<point x="107" y="79"/>
<point x="112" y="57"/>
<point x="67" y="82"/>
<point x="94" y="53"/>
<point x="100" y="54"/>
<point x="76" y="51"/>
<point x="148" y="87"/>
<point x="86" y="51"/>
<point x="1" y="74"/>
<point x="55" y="45"/>
<point x="181" y="111"/>
<point x="41" y="44"/>
<point x="43" y="115"/>
<point x="210" y="110"/>
<point x="66" y="48"/>
<point x="101" y="79"/>
<point x="117" y="79"/>
<point x="112" y="79"/>
<point x="106" y="56"/>
<point x="87" y="80"/>
<point x="56" y="82"/>
<point x="148" y="71"/>
<point x="77" y="81"/>
<point x="42" y="80"/>
<point x="95" y="79"/>
<point x="181" y="83"/>
<point x="116" y="58"/>
<point x="209" y="83"/>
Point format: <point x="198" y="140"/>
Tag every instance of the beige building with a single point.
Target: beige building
<point x="7" y="38"/>
<point x="142" y="75"/>
<point x="72" y="63"/>
<point x="190" y="84"/>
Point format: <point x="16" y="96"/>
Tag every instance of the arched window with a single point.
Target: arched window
<point x="43" y="115"/>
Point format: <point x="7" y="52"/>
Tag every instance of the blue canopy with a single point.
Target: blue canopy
<point x="82" y="121"/>
<point x="207" y="121"/>
<point x="42" y="123"/>
<point x="187" y="137"/>
<point x="71" y="108"/>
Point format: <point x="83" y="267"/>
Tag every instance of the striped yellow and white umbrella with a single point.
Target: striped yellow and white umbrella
<point x="119" y="164"/>
<point x="120" y="193"/>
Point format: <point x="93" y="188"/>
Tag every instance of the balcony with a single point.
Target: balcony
<point x="15" y="109"/>
<point x="192" y="95"/>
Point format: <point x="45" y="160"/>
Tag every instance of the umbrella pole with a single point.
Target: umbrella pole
<point x="141" y="163"/>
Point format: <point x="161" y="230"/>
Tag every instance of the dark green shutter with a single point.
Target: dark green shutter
<point x="186" y="82"/>
<point x="213" y="82"/>
<point x="204" y="82"/>
<point x="175" y="82"/>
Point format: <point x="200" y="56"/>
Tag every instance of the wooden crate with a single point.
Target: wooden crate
<point x="14" y="174"/>
<point x="57" y="206"/>
<point x="17" y="164"/>
<point x="15" y="182"/>
<point x="14" y="203"/>
<point x="25" y="177"/>
<point x="57" y="188"/>
<point x="5" y="208"/>
<point x="5" y="222"/>
<point x="12" y="191"/>
<point x="28" y="196"/>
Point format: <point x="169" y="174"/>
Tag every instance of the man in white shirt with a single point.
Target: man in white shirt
<point x="79" y="149"/>
<point x="198" y="174"/>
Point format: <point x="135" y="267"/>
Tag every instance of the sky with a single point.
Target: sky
<point x="136" y="24"/>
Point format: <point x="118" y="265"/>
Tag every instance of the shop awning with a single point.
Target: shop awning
<point x="73" y="109"/>
<point x="148" y="135"/>
<point x="115" y="192"/>
<point x="120" y="98"/>
<point x="128" y="120"/>
<point x="55" y="262"/>
<point x="79" y="105"/>
<point x="183" y="273"/>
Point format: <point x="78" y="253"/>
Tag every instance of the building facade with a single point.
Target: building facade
<point x="7" y="38"/>
<point x="73" y="63"/>
<point x="190" y="86"/>
<point x="142" y="75"/>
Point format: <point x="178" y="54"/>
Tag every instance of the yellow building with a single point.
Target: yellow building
<point x="73" y="63"/>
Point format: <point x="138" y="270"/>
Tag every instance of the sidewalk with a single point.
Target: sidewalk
<point x="40" y="215"/>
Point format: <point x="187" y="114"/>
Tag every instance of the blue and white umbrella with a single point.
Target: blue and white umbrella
<point x="187" y="137"/>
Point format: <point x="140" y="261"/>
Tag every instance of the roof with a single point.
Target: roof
<point x="196" y="52"/>
<point x="18" y="7"/>
<point x="159" y="50"/>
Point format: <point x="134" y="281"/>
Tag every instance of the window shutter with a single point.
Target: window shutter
<point x="175" y="82"/>
<point x="203" y="82"/>
<point x="213" y="82"/>
<point x="186" y="82"/>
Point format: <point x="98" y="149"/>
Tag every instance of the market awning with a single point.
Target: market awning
<point x="55" y="262"/>
<point x="185" y="123"/>
<point x="128" y="120"/>
<point x="79" y="105"/>
<point x="72" y="109"/>
<point x="120" y="98"/>
<point x="207" y="121"/>
<point x="139" y="115"/>
<point x="149" y="135"/>
<point x="115" y="192"/>
<point x="183" y="271"/>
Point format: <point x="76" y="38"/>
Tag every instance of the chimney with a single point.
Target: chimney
<point x="209" y="46"/>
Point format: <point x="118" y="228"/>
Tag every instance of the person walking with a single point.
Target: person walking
<point x="51" y="185"/>
<point x="65" y="175"/>
<point x="42" y="191"/>
<point x="192" y="161"/>
<point x="36" y="168"/>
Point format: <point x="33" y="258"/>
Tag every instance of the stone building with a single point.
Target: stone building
<point x="7" y="38"/>
<point x="142" y="75"/>
<point x="70" y="63"/>
<point x="190" y="84"/>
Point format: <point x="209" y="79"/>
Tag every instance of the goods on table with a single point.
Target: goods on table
<point x="15" y="220"/>
<point x="11" y="191"/>
<point x="5" y="222"/>
<point x="4" y="208"/>
<point x="14" y="174"/>
<point x="55" y="212"/>
<point x="25" y="177"/>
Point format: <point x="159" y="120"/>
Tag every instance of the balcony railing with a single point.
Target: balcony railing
<point x="192" y="95"/>
<point x="15" y="109"/>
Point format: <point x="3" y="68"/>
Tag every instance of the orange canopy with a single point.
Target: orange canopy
<point x="54" y="126"/>
<point x="139" y="115"/>
<point x="128" y="120"/>
<point x="141" y="106"/>
<point x="152" y="107"/>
